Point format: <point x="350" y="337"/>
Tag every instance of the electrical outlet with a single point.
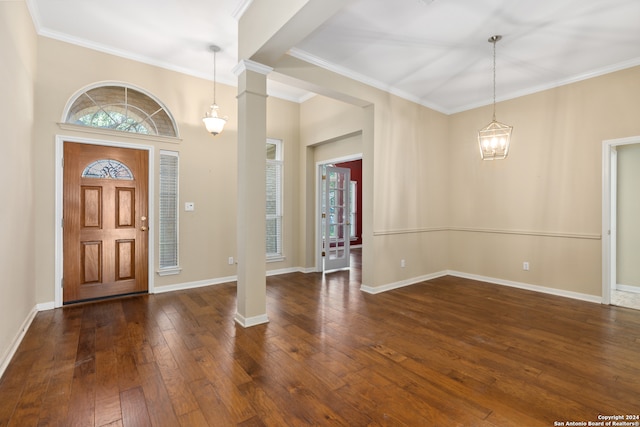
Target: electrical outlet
<point x="402" y="263"/>
<point x="230" y="260"/>
<point x="525" y="266"/>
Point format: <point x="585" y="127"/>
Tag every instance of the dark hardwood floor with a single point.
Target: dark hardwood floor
<point x="446" y="352"/>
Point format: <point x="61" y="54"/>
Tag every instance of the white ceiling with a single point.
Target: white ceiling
<point x="434" y="52"/>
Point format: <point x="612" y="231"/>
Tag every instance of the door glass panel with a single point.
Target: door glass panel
<point x="107" y="168"/>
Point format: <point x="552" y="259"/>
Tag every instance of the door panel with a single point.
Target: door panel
<point x="91" y="262"/>
<point x="105" y="206"/>
<point x="335" y="230"/>
<point x="125" y="210"/>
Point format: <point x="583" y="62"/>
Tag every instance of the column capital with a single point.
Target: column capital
<point x="249" y="65"/>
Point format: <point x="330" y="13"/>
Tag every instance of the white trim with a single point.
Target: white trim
<point x="195" y="284"/>
<point x="58" y="269"/>
<point x="537" y="233"/>
<point x="280" y="271"/>
<point x="628" y="288"/>
<point x="240" y="9"/>
<point x="520" y="285"/>
<point x="169" y="271"/>
<point x="540" y="233"/>
<point x="314" y="60"/>
<point x="45" y="306"/>
<point x="401" y="284"/>
<point x="119" y="134"/>
<point x="15" y="343"/>
<point x="247" y="322"/>
<point x="528" y="286"/>
<point x="249" y="65"/>
<point x="609" y="173"/>
<point x="228" y="279"/>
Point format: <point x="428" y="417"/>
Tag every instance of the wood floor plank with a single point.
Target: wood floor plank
<point x="157" y="399"/>
<point x="448" y="351"/>
<point x="134" y="408"/>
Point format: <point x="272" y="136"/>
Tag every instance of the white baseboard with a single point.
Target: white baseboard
<point x="15" y="343"/>
<point x="44" y="306"/>
<point x="628" y="288"/>
<point x="401" y="284"/>
<point x="408" y="282"/>
<point x="528" y="286"/>
<point x="247" y="322"/>
<point x="193" y="285"/>
<point x="220" y="280"/>
<point x="283" y="271"/>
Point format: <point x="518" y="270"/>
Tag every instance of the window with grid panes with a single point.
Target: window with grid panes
<point x="274" y="200"/>
<point x="168" y="215"/>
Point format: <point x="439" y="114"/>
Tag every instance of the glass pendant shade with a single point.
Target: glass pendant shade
<point x="213" y="122"/>
<point x="494" y="140"/>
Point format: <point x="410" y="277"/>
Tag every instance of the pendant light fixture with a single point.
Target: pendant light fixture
<point x="494" y="139"/>
<point x="213" y="122"/>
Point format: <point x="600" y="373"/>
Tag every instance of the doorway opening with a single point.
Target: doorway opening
<point x="620" y="224"/>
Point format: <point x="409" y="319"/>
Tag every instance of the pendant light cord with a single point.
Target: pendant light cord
<point x="494" y="79"/>
<point x="214" y="78"/>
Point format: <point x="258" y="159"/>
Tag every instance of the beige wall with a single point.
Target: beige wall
<point x="405" y="158"/>
<point x="324" y="119"/>
<point x="208" y="173"/>
<point x="543" y="203"/>
<point x="628" y="218"/>
<point x="434" y="199"/>
<point x="17" y="231"/>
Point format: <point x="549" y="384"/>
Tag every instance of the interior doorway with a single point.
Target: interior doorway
<point x="620" y="224"/>
<point x="337" y="213"/>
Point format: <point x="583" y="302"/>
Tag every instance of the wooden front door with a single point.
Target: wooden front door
<point x="105" y="211"/>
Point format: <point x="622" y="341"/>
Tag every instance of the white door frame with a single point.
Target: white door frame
<point x="609" y="211"/>
<point x="318" y="207"/>
<point x="60" y="140"/>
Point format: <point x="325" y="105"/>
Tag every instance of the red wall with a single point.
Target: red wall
<point x="356" y="175"/>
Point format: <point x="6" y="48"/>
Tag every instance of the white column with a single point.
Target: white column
<point x="252" y="136"/>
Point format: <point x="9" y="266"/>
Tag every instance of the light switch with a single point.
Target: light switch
<point x="189" y="206"/>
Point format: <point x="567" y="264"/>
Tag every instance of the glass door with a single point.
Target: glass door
<point x="335" y="217"/>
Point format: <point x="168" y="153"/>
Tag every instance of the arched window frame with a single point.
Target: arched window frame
<point x="120" y="108"/>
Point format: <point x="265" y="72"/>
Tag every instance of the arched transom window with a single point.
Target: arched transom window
<point x="122" y="108"/>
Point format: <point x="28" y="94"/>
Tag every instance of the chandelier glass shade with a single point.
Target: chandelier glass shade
<point x="212" y="120"/>
<point x="494" y="139"/>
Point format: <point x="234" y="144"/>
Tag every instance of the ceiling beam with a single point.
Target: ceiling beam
<point x="268" y="29"/>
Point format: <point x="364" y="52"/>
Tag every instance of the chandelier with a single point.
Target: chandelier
<point x="494" y="138"/>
